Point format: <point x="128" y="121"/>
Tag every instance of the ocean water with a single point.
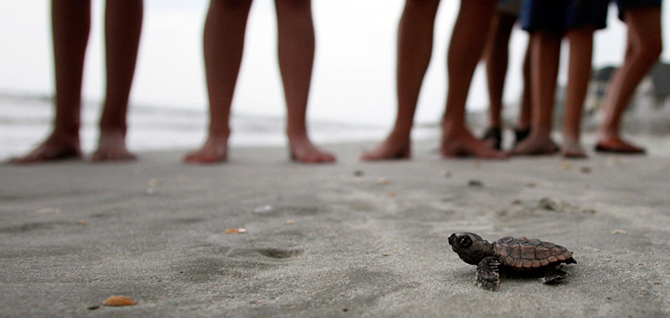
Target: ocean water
<point x="353" y="83"/>
<point x="26" y="121"/>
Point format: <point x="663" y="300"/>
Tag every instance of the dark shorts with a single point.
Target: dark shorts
<point x="563" y="15"/>
<point x="623" y="5"/>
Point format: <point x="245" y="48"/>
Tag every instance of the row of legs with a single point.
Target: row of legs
<point x="223" y="47"/>
<point x="644" y="45"/>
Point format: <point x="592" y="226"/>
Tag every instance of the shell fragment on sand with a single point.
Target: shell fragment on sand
<point x="119" y="301"/>
<point x="236" y="231"/>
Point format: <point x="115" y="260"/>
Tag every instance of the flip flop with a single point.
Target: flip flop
<point x="618" y="147"/>
<point x="520" y="135"/>
<point x="493" y="134"/>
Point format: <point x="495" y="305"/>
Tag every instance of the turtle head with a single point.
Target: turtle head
<point x="470" y="247"/>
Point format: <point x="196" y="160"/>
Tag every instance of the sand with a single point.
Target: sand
<point x="351" y="239"/>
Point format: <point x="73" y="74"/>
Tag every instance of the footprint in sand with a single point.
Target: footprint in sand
<point x="278" y="253"/>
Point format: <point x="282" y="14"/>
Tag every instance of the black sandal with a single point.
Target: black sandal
<point x="520" y="135"/>
<point x="493" y="137"/>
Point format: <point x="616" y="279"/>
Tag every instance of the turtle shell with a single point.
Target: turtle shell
<point x="526" y="254"/>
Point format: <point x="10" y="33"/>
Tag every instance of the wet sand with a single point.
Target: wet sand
<point x="351" y="239"/>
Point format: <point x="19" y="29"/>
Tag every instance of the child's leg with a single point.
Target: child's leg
<point x="581" y="51"/>
<point x="122" y="34"/>
<point x="415" y="45"/>
<point x="71" y="22"/>
<point x="523" y="125"/>
<point x="497" y="59"/>
<point x="467" y="43"/>
<point x="296" y="57"/>
<point x="223" y="45"/>
<point x="643" y="49"/>
<point x="546" y="47"/>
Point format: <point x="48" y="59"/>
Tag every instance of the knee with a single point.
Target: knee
<point x="651" y="51"/>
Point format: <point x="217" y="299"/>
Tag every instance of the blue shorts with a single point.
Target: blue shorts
<point x="562" y="15"/>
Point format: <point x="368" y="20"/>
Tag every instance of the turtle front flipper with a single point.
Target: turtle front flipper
<point x="487" y="273"/>
<point x="553" y="275"/>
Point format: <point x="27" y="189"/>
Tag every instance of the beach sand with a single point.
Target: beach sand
<point x="350" y="239"/>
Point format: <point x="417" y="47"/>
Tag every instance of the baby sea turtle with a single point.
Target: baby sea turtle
<point x="510" y="254"/>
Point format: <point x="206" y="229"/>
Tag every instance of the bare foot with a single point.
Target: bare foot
<point x="56" y="147"/>
<point x="302" y="150"/>
<point x="572" y="149"/>
<point x="536" y="145"/>
<point x="461" y="143"/>
<point x="112" y="147"/>
<point x="617" y="145"/>
<point x="215" y="150"/>
<point x="393" y="148"/>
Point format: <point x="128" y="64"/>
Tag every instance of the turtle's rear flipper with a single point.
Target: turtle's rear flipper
<point x="554" y="276"/>
<point x="487" y="273"/>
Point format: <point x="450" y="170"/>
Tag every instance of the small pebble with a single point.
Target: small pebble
<point x="94" y="307"/>
<point x="383" y="181"/>
<point x="236" y="231"/>
<point x="290" y="222"/>
<point x="517" y="202"/>
<point x="263" y="209"/>
<point x="386" y="254"/>
<point x="447" y="174"/>
<point x="531" y="184"/>
<point x="49" y="211"/>
<point x="585" y="170"/>
<point x="615" y="232"/>
<point x="358" y="173"/>
<point x="475" y="183"/>
<point x="549" y="204"/>
<point x="392" y="194"/>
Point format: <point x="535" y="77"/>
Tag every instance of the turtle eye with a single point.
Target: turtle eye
<point x="464" y="241"/>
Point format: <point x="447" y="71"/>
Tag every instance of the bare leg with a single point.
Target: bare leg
<point x="71" y="22"/>
<point x="496" y="55"/>
<point x="467" y="43"/>
<point x="581" y="51"/>
<point x="643" y="49"/>
<point x="223" y="45"/>
<point x="526" y="102"/>
<point x="296" y="57"/>
<point x="546" y="47"/>
<point x="497" y="59"/>
<point x="122" y="33"/>
<point x="415" y="45"/>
